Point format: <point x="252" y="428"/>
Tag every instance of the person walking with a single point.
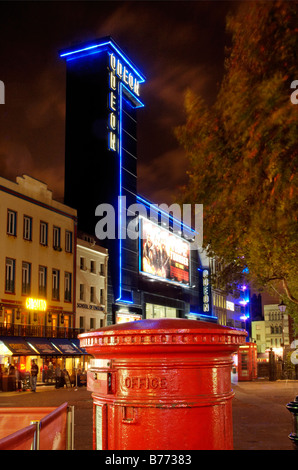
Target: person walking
<point x="58" y="376"/>
<point x="34" y="372"/>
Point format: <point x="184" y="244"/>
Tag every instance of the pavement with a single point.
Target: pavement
<point x="261" y="420"/>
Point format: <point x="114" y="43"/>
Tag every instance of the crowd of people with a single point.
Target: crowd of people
<point x="12" y="378"/>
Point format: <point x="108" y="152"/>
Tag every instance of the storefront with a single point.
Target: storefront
<point x="16" y="354"/>
<point x="160" y="311"/>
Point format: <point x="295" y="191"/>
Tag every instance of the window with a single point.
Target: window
<point x="11" y="222"/>
<point x="82" y="292"/>
<point x="26" y="278"/>
<point x="101" y="296"/>
<point x="67" y="287"/>
<point x="42" y="281"/>
<point x="10" y="275"/>
<point x="68" y="241"/>
<point x="102" y="269"/>
<point x="92" y="294"/>
<point x="92" y="267"/>
<point x="43" y="235"/>
<point x="27" y="229"/>
<point x="92" y="323"/>
<point x="56" y="284"/>
<point x="56" y="238"/>
<point x="82" y="263"/>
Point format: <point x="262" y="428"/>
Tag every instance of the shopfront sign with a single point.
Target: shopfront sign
<point x="206" y="293"/>
<point x="36" y="304"/>
<point x="121" y="78"/>
<point x="88" y="306"/>
<point x="230" y="306"/>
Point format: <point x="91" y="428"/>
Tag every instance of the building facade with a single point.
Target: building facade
<point x="273" y="332"/>
<point x="91" y="284"/>
<point x="103" y="99"/>
<point x="37" y="255"/>
<point x="38" y="265"/>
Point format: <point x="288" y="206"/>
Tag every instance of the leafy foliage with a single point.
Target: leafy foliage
<point x="242" y="151"/>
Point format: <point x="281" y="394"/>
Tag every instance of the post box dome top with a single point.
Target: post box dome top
<point x="158" y="333"/>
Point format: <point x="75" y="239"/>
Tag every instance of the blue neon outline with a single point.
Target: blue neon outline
<point x="121" y="86"/>
<point x="141" y="104"/>
<point x="201" y="315"/>
<point x="178" y="222"/>
<point x="100" y="46"/>
<point x="120" y="190"/>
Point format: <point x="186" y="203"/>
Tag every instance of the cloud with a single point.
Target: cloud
<point x="175" y="44"/>
<point x="160" y="179"/>
<point x="15" y="159"/>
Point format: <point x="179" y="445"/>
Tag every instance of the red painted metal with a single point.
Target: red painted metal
<point x="162" y="384"/>
<point x="247" y="362"/>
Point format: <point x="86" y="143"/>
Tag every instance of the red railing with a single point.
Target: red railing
<point x="49" y="429"/>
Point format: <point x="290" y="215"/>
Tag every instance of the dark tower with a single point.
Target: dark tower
<point x="103" y="90"/>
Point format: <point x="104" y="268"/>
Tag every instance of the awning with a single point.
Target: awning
<point x="76" y="343"/>
<point x="18" y="346"/>
<point x="65" y="347"/>
<point x="42" y="346"/>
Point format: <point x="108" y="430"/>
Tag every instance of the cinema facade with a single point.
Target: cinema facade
<point x="157" y="273"/>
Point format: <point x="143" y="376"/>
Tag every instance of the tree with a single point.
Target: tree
<point x="242" y="152"/>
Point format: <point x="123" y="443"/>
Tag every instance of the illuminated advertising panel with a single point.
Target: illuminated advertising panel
<point x="163" y="254"/>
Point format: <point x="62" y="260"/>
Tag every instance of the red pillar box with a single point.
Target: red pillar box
<point x="162" y="384"/>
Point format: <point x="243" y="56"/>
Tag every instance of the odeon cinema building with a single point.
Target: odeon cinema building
<point x="154" y="272"/>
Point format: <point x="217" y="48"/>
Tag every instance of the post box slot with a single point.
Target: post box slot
<point x="128" y="415"/>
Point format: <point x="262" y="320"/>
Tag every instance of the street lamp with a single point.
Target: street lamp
<point x="282" y="307"/>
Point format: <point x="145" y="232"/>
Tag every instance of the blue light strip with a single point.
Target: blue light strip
<point x="154" y="206"/>
<point x="136" y="99"/>
<point x="99" y="46"/>
<point x="121" y="99"/>
<point x="120" y="193"/>
<point x="201" y="315"/>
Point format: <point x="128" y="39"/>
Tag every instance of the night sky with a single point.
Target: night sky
<point x="177" y="45"/>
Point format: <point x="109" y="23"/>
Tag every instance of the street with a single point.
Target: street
<point x="261" y="420"/>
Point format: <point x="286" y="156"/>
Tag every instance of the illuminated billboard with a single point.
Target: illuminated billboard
<point x="163" y="254"/>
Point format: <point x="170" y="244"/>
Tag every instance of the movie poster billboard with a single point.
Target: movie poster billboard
<point x="163" y="254"/>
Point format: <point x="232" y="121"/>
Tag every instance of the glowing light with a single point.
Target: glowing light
<point x="243" y="317"/>
<point x="36" y="304"/>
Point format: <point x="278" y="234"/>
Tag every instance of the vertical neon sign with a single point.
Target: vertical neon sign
<point x="123" y="87"/>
